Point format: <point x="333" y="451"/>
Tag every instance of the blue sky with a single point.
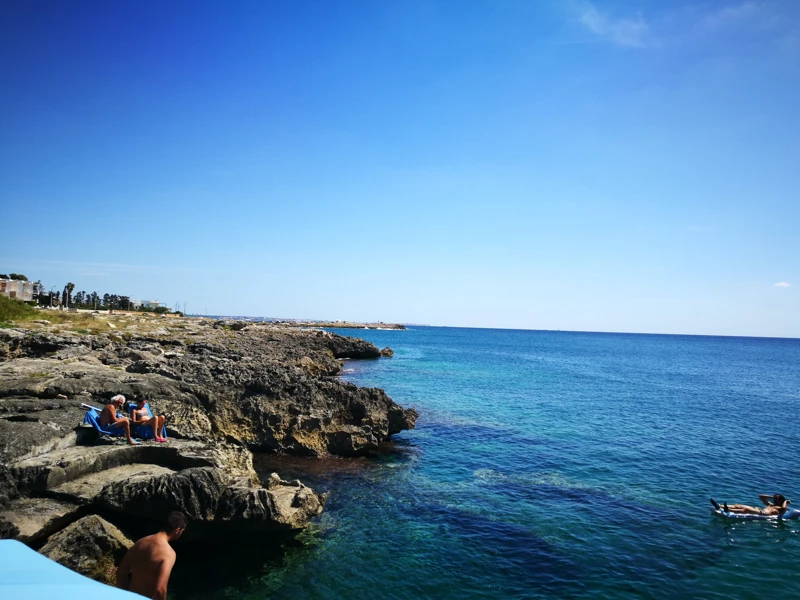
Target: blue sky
<point x="605" y="166"/>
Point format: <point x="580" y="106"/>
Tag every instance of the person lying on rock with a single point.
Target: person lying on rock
<point x="774" y="505"/>
<point x="146" y="567"/>
<point x="110" y="419"/>
<point x="142" y="417"/>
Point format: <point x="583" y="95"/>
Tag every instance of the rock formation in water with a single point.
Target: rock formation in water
<point x="226" y="388"/>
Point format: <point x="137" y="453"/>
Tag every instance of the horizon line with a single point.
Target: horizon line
<point x="405" y="324"/>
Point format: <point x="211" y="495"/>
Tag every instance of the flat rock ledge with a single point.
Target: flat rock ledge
<point x="215" y="486"/>
<point x="211" y="500"/>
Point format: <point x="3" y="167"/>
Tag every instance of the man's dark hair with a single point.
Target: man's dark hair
<point x="778" y="499"/>
<point x="175" y="520"/>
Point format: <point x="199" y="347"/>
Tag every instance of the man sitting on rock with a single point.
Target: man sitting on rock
<point x="142" y="417"/>
<point x="111" y="420"/>
<point x="146" y="568"/>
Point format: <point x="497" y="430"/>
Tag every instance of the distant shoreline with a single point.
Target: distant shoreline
<point x="344" y="325"/>
<point x="305" y="323"/>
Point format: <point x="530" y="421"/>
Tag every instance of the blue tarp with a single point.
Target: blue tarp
<point x="28" y="575"/>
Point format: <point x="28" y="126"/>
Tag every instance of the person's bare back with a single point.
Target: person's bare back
<point x="146" y="568"/>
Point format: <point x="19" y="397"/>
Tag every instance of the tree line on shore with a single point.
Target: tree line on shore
<point x="94" y="300"/>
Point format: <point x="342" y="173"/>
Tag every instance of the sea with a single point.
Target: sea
<point x="545" y="465"/>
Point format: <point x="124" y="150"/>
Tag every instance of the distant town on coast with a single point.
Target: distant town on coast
<point x="35" y="293"/>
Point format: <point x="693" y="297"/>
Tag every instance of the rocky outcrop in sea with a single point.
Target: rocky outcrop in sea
<point x="227" y="389"/>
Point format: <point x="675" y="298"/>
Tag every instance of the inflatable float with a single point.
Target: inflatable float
<point x="791" y="513"/>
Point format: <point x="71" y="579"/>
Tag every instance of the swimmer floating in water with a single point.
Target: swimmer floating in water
<point x="774" y="506"/>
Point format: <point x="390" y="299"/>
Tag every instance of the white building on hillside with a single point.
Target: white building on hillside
<point x="21" y="290"/>
<point x="136" y="304"/>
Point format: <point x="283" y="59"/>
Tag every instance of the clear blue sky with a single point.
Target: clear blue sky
<point x="608" y="166"/>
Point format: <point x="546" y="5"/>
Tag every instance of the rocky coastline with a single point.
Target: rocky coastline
<point x="228" y="388"/>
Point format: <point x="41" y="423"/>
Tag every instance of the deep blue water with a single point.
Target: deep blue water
<point x="549" y="464"/>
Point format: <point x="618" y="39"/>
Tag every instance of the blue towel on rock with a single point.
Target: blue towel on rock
<point x="145" y="431"/>
<point x="92" y="417"/>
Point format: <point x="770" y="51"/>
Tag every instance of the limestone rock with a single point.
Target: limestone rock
<point x="299" y="416"/>
<point x="387" y="352"/>
<point x="283" y="507"/>
<point x="8" y="486"/>
<point x="230" y="324"/>
<point x="31" y="425"/>
<point x="207" y="496"/>
<point x="195" y="492"/>
<point x="8" y="530"/>
<point x="33" y="519"/>
<point x="91" y="546"/>
<point x="262" y="386"/>
<point x="348" y="347"/>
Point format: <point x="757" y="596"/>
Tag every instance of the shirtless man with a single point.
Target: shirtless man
<point x="146" y="567"/>
<point x="140" y="417"/>
<point x="775" y="506"/>
<point x="110" y="420"/>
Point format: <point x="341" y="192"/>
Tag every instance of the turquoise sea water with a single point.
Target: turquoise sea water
<point x="547" y="464"/>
